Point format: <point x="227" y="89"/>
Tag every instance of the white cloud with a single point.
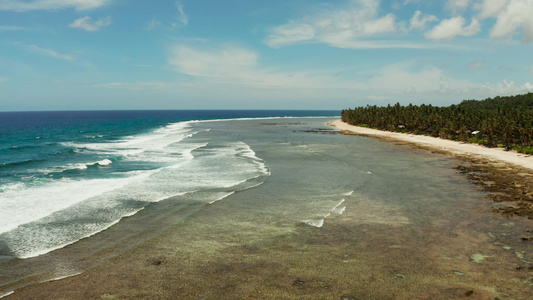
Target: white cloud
<point x="409" y="77"/>
<point x="491" y="8"/>
<point x="457" y="6"/>
<point x="87" y="24"/>
<point x="154" y="24"/>
<point x="338" y="28"/>
<point x="48" y="52"/>
<point x="506" y="88"/>
<point x="183" y="19"/>
<point x="450" y="28"/>
<point x="233" y="72"/>
<point x="420" y="23"/>
<point x="377" y="26"/>
<point x="233" y="65"/>
<point x="404" y="80"/>
<point x="20" y="5"/>
<point x="3" y="79"/>
<point x="516" y="15"/>
<point x="384" y="44"/>
<point x="292" y="33"/>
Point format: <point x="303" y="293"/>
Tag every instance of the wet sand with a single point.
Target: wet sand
<point x="379" y="248"/>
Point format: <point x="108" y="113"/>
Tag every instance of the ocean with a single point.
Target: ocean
<point x="276" y="199"/>
<point x="65" y="176"/>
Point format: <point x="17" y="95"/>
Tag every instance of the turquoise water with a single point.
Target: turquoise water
<point x="68" y="175"/>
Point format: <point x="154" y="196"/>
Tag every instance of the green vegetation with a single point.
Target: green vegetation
<point x="495" y="122"/>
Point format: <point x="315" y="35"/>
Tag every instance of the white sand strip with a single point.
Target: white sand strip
<point x="474" y="150"/>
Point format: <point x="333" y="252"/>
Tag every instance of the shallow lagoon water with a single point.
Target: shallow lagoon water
<point x="338" y="216"/>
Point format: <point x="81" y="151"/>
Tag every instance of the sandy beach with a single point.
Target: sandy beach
<point x="453" y="147"/>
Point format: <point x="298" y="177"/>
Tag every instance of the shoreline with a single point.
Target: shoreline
<point x="507" y="176"/>
<point x="453" y="147"/>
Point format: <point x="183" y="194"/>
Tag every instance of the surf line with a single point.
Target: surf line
<point x="320" y="222"/>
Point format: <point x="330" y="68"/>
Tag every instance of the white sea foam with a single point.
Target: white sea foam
<point x="57" y="169"/>
<point x="319" y="222"/>
<point x="105" y="162"/>
<point x="12" y="187"/>
<point x="74" y="166"/>
<point x="24" y="252"/>
<point x="62" y="277"/>
<point x="6" y="294"/>
<point x="36" y="220"/>
<point x="219" y="196"/>
<point x="77" y="166"/>
<point x="340" y="210"/>
<point x="336" y="208"/>
<point x="349" y="193"/>
<point x="164" y="145"/>
<point x="30" y="204"/>
<point x="255" y="185"/>
<point x="315" y="223"/>
<point x="135" y="145"/>
<point x="249" y="153"/>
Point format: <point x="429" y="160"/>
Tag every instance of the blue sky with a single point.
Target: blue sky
<point x="256" y="54"/>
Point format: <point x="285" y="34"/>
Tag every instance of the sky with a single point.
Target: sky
<point x="257" y="54"/>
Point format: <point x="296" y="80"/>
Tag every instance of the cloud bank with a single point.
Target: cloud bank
<point x="232" y="65"/>
<point x="348" y="27"/>
<point x="359" y="25"/>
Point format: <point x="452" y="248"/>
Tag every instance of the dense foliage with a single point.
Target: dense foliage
<point x="495" y="122"/>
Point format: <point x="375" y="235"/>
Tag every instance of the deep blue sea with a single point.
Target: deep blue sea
<point x="68" y="175"/>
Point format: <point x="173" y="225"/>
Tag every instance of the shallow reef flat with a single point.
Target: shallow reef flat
<point x="340" y="217"/>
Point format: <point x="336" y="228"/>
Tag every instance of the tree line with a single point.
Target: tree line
<point x="494" y="122"/>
